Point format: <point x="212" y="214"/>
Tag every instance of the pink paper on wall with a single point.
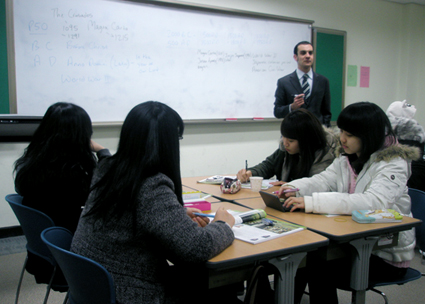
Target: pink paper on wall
<point x="364" y="76"/>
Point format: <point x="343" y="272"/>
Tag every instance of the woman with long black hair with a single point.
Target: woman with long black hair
<point x="134" y="220"/>
<point x="54" y="173"/>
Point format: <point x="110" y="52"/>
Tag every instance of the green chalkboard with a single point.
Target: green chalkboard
<point x="4" y="83"/>
<point x="329" y="47"/>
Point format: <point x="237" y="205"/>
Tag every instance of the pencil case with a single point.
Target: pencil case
<point x="230" y="185"/>
<point x="376" y="216"/>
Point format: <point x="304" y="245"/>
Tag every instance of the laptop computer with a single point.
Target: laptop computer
<point x="271" y="200"/>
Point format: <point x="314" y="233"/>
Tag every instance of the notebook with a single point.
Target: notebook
<point x="273" y="201"/>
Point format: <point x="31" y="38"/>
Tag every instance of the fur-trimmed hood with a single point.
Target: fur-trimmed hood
<point x="394" y="151"/>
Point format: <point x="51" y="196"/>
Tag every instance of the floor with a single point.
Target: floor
<point x="12" y="256"/>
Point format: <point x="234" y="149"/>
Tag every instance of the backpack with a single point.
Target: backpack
<point x="417" y="179"/>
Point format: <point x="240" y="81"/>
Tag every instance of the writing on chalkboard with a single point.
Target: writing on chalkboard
<point x="108" y="56"/>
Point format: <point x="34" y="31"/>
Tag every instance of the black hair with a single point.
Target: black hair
<point x="368" y="122"/>
<point x="299" y="43"/>
<point x="149" y="144"/>
<point x="60" y="147"/>
<point x="303" y="126"/>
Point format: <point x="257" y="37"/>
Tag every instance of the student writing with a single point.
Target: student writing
<point x="305" y="149"/>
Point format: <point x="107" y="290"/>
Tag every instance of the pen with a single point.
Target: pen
<point x="246" y="165"/>
<point x="204" y="214"/>
<point x="288" y="190"/>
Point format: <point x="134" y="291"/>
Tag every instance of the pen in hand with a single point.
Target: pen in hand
<point x="288" y="190"/>
<point x="204" y="214"/>
<point x="246" y="165"/>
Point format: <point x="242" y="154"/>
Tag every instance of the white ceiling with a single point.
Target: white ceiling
<point x="421" y="2"/>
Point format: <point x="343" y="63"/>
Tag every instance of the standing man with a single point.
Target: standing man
<point x="303" y="88"/>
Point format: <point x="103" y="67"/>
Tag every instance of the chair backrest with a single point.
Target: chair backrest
<point x="33" y="222"/>
<point x="88" y="281"/>
<point x="417" y="198"/>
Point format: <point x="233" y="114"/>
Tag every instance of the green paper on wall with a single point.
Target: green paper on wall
<point x="352" y="75"/>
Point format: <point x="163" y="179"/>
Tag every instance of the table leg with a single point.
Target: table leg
<point x="284" y="280"/>
<point x="360" y="268"/>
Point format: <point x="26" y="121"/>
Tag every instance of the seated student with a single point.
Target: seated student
<point x="53" y="175"/>
<point x="409" y="132"/>
<point x="304" y="150"/>
<point x="134" y="220"/>
<point x="371" y="173"/>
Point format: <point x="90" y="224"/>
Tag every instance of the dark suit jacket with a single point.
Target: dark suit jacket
<point x="319" y="102"/>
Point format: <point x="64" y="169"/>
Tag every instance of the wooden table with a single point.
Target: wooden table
<point x="192" y="183"/>
<point x="342" y="229"/>
<point x="285" y="253"/>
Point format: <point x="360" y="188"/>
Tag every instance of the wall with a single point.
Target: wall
<point x="388" y="37"/>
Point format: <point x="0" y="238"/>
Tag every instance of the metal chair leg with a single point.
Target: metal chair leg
<point x="49" y="286"/>
<point x="20" y="280"/>
<point x="65" y="301"/>
<point x="381" y="293"/>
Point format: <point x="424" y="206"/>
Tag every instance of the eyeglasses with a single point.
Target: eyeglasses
<point x="305" y="52"/>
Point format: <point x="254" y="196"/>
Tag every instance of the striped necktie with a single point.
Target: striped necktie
<point x="305" y="87"/>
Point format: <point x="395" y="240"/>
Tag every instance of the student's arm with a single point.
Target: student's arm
<point x="202" y="221"/>
<point x="382" y="186"/>
<point x="95" y="147"/>
<point x="325" y="181"/>
<point x="162" y="217"/>
<point x="101" y="151"/>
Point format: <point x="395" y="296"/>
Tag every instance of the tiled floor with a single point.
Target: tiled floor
<point x="12" y="245"/>
<point x="12" y="256"/>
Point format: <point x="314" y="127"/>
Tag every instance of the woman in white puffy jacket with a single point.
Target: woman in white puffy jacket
<point x="371" y="173"/>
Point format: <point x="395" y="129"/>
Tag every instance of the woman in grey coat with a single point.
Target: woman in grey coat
<point x="134" y="222"/>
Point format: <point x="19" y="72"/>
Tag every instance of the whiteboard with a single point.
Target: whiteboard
<point x="108" y="56"/>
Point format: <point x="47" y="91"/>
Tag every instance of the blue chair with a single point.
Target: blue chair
<point x="418" y="210"/>
<point x="411" y="275"/>
<point x="417" y="198"/>
<point x="89" y="282"/>
<point x="33" y="222"/>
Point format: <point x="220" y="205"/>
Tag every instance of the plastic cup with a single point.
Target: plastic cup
<point x="256" y="183"/>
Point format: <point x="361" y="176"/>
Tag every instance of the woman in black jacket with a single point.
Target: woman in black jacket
<point x="54" y="173"/>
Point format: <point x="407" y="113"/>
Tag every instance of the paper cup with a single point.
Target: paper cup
<point x="256" y="183"/>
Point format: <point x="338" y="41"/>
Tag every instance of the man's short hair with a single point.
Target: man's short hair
<point x="299" y="43"/>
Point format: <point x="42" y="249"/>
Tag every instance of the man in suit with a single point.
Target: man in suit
<point x="304" y="88"/>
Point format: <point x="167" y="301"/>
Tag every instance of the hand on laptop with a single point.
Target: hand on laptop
<point x="294" y="203"/>
<point x="285" y="192"/>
